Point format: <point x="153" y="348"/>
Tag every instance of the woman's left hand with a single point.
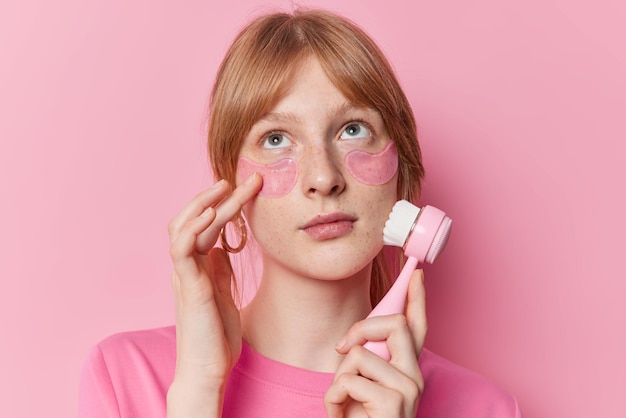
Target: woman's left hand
<point x="365" y="385"/>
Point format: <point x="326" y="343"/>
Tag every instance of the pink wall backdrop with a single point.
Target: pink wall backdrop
<point x="521" y="109"/>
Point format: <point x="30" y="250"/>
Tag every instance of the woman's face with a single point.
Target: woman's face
<point x="329" y="180"/>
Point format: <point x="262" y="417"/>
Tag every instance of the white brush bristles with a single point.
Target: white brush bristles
<point x="400" y="223"/>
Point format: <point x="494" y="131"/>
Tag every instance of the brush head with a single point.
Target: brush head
<point x="400" y="223"/>
<point x="422" y="233"/>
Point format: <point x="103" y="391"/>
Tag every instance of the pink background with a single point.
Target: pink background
<point x="521" y="109"/>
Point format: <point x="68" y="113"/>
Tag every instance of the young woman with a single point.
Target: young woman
<point x="314" y="141"/>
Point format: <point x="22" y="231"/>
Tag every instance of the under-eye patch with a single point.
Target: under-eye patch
<point x="278" y="178"/>
<point x="373" y="169"/>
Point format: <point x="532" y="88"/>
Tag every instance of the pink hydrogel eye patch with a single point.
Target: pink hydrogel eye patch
<point x="278" y="178"/>
<point x="373" y="169"/>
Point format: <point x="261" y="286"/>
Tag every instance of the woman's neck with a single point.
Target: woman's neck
<point x="297" y="320"/>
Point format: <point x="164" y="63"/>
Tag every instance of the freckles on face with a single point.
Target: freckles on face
<point x="277" y="217"/>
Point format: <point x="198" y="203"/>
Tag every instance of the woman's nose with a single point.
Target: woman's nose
<point x="321" y="172"/>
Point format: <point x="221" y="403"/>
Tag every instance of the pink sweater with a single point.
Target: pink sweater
<point x="128" y="375"/>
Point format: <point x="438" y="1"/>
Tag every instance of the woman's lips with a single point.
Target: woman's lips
<point x="330" y="226"/>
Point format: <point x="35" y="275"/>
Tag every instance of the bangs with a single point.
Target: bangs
<point x="352" y="61"/>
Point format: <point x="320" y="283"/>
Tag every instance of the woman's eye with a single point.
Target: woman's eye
<point x="355" y="130"/>
<point x="276" y="140"/>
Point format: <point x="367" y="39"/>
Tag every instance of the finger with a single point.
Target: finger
<point x="221" y="270"/>
<point x="227" y="209"/>
<point x="393" y="329"/>
<point x="361" y="361"/>
<point x="416" y="310"/>
<point x="183" y="248"/>
<point x="377" y="400"/>
<point x="230" y="206"/>
<point x="376" y="328"/>
<point x="196" y="206"/>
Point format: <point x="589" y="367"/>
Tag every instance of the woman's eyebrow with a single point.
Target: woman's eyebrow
<point x="349" y="107"/>
<point x="280" y="117"/>
<point x="343" y="108"/>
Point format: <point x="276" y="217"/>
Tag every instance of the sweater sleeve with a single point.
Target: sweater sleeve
<point x="97" y="397"/>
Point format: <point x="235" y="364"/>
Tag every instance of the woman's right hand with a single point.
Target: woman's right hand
<point x="208" y="328"/>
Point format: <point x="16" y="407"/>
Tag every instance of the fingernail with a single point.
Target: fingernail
<point x="251" y="178"/>
<point x="208" y="212"/>
<point x="218" y="184"/>
<point x="339" y="344"/>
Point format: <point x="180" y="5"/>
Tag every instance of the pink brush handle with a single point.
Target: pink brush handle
<point x="393" y="303"/>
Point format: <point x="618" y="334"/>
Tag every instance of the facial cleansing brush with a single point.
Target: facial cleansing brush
<point x="422" y="233"/>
